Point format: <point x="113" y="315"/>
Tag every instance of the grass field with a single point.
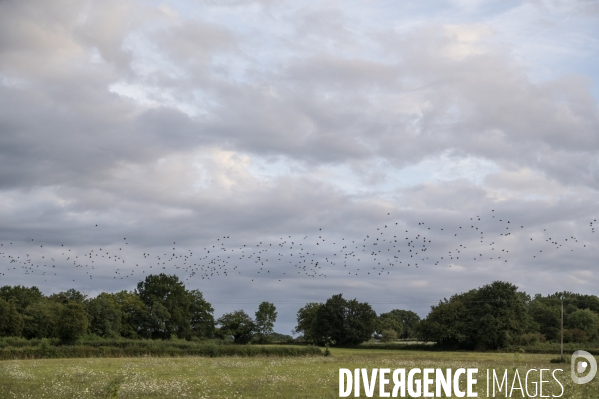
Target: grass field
<point x="257" y="377"/>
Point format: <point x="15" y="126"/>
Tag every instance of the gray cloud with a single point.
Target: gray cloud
<point x="162" y="124"/>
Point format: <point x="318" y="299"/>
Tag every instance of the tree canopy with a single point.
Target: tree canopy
<point x="238" y="325"/>
<point x="160" y="308"/>
<point x="72" y="321"/>
<point x="337" y="321"/>
<point x="266" y="315"/>
<point x="169" y="302"/>
<point x="491" y="317"/>
<point x="307" y="322"/>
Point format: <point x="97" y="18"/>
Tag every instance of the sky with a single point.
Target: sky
<point x="313" y="147"/>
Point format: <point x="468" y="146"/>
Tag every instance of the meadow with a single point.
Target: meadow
<point x="252" y="377"/>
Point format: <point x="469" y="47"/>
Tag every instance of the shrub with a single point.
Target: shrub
<point x="150" y="348"/>
<point x="389" y="335"/>
<point x="576" y="335"/>
<point x="532" y="338"/>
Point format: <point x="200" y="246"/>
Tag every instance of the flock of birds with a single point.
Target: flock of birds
<point x="381" y="252"/>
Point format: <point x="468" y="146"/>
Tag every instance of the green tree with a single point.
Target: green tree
<point x="237" y="324"/>
<point x="408" y="320"/>
<point x="41" y="319"/>
<point x="22" y="296"/>
<point x="307" y="322"/>
<point x="491" y="317"/>
<point x="169" y="302"/>
<point x="359" y="323"/>
<point x="157" y="321"/>
<point x="590" y="302"/>
<point x="330" y="320"/>
<point x="11" y="322"/>
<point x="104" y="316"/>
<point x="265" y="321"/>
<point x="134" y="315"/>
<point x="72" y="322"/>
<point x="585" y="320"/>
<point x="388" y="321"/>
<point x="547" y="315"/>
<point x="388" y="335"/>
<point x="574" y="301"/>
<point x="446" y="323"/>
<point x="498" y="312"/>
<point x="202" y="319"/>
<point x="343" y="322"/>
<point x="71" y="295"/>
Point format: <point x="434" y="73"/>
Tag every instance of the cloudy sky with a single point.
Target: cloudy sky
<point x="160" y="130"/>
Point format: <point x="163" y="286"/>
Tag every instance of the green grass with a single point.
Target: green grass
<point x="248" y="377"/>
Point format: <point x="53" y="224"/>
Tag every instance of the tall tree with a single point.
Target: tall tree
<point x="408" y="320"/>
<point x="265" y="320"/>
<point x="11" y="322"/>
<point x="330" y="320"/>
<point x="359" y="324"/>
<point x="342" y="322"/>
<point x="237" y="324"/>
<point x="170" y="304"/>
<point x="72" y="322"/>
<point x="134" y="314"/>
<point x="202" y="319"/>
<point x="104" y="316"/>
<point x="446" y="323"/>
<point x="307" y="322"/>
<point x="157" y="321"/>
<point x="491" y="317"/>
<point x="498" y="312"/>
<point x="71" y="295"/>
<point x="41" y="319"/>
<point x="547" y="315"/>
<point x="22" y="296"/>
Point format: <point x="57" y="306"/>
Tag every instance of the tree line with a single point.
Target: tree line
<point x="491" y="317"/>
<point x="494" y="316"/>
<point x="339" y="321"/>
<point x="160" y="308"/>
<point x="497" y="316"/>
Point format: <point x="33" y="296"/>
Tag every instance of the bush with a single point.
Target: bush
<point x="45" y="349"/>
<point x="554" y="347"/>
<point x="389" y="335"/>
<point x="575" y="335"/>
<point x="532" y="338"/>
<point x="134" y="348"/>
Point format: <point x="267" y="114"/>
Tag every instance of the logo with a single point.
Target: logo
<point x="580" y="366"/>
